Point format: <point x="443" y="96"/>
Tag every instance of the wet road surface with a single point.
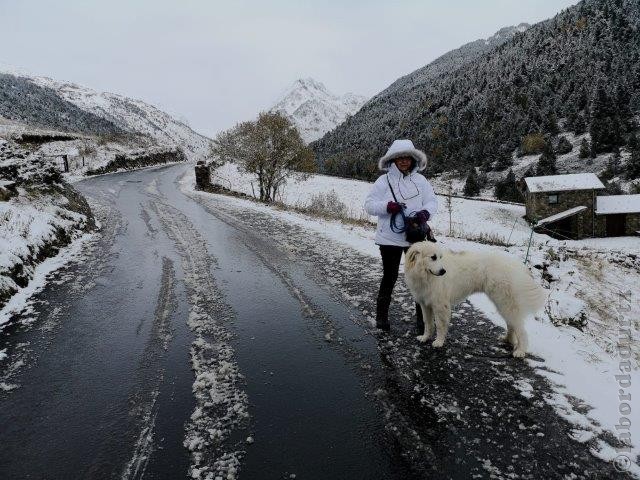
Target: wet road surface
<point x="197" y="337"/>
<point x="107" y="391"/>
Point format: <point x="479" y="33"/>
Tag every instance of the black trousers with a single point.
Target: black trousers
<point x="391" y="256"/>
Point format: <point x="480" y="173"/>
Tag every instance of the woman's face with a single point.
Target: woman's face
<point x="403" y="163"/>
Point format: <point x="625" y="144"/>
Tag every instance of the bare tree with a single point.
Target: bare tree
<point x="86" y="149"/>
<point x="270" y="148"/>
<point x="449" y="204"/>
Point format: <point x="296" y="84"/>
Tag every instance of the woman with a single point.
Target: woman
<point x="413" y="194"/>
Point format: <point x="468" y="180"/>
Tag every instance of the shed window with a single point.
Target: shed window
<point x="553" y="198"/>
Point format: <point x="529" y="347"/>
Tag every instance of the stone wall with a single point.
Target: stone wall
<point x="538" y="207"/>
<point x="203" y="176"/>
<point x="632" y="224"/>
<point x="141" y="159"/>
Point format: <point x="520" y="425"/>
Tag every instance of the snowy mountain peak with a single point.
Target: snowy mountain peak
<point x="314" y="110"/>
<point x="309" y="84"/>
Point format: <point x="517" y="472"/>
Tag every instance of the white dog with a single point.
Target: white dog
<point x="439" y="279"/>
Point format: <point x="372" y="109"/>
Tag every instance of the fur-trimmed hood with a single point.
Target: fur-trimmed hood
<point x="403" y="148"/>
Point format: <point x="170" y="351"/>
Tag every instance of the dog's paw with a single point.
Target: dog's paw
<point x="438" y="343"/>
<point x="519" y="354"/>
<point x="422" y="338"/>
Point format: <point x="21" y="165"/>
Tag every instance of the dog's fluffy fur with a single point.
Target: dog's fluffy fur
<point x="439" y="279"/>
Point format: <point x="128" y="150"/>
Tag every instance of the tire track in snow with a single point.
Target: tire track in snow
<point x="387" y="389"/>
<point x="145" y="410"/>
<point x="221" y="405"/>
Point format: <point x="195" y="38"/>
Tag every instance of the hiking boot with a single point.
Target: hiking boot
<point x="419" y="320"/>
<point x="382" y="314"/>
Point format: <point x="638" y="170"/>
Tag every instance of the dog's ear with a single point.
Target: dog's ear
<point x="411" y="258"/>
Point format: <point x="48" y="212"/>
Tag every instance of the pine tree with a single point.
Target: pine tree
<point x="551" y="124"/>
<point x="579" y="126"/>
<point x="613" y="188"/>
<point x="585" y="149"/>
<point x="547" y="163"/>
<point x="507" y="189"/>
<point x="633" y="164"/>
<point x="564" y="146"/>
<point x="605" y="123"/>
<point x="471" y="186"/>
<point x="483" y="179"/>
<point x="614" y="166"/>
<point x="529" y="172"/>
<point x="503" y="160"/>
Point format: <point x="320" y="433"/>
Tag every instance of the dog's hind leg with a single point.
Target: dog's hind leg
<point x="429" y="325"/>
<point x="442" y="314"/>
<point x="523" y="341"/>
<point x="510" y="336"/>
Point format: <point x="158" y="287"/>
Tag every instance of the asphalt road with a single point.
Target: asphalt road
<point x="199" y="337"/>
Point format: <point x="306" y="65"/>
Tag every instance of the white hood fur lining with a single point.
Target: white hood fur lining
<point x="403" y="148"/>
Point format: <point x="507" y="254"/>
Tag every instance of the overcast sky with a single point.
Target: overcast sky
<point x="214" y="63"/>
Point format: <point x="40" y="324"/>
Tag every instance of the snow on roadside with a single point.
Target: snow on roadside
<point x="599" y="277"/>
<point x="32" y="226"/>
<point x="41" y="271"/>
<point x="470" y="217"/>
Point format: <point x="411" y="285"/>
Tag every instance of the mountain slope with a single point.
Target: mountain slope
<point x="450" y="61"/>
<point x="314" y="110"/>
<point x="122" y="113"/>
<point x="581" y="67"/>
<point x="23" y="101"/>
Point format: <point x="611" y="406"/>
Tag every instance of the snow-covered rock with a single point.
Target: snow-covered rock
<point x="314" y="110"/>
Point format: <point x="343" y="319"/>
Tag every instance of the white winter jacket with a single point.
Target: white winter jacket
<point x="414" y="190"/>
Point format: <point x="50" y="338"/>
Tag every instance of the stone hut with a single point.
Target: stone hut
<point x="557" y="198"/>
<point x="617" y="215"/>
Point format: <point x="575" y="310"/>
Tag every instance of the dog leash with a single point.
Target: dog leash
<point x="393" y="222"/>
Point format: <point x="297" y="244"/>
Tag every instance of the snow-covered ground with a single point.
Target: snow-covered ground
<point x="84" y="153"/>
<point x="567" y="163"/>
<point x="29" y="225"/>
<point x="588" y="334"/>
<point x="40" y="216"/>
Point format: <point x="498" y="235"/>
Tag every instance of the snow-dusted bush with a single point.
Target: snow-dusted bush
<point x="327" y="204"/>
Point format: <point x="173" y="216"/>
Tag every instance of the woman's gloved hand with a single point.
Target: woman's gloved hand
<point x="394" y="207"/>
<point x="423" y="216"/>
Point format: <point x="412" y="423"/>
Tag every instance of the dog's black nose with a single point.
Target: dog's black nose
<point x="442" y="271"/>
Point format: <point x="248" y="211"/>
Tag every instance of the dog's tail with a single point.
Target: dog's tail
<point x="531" y="295"/>
<point x="512" y="288"/>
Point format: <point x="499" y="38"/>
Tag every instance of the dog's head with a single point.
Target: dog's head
<point x="426" y="256"/>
